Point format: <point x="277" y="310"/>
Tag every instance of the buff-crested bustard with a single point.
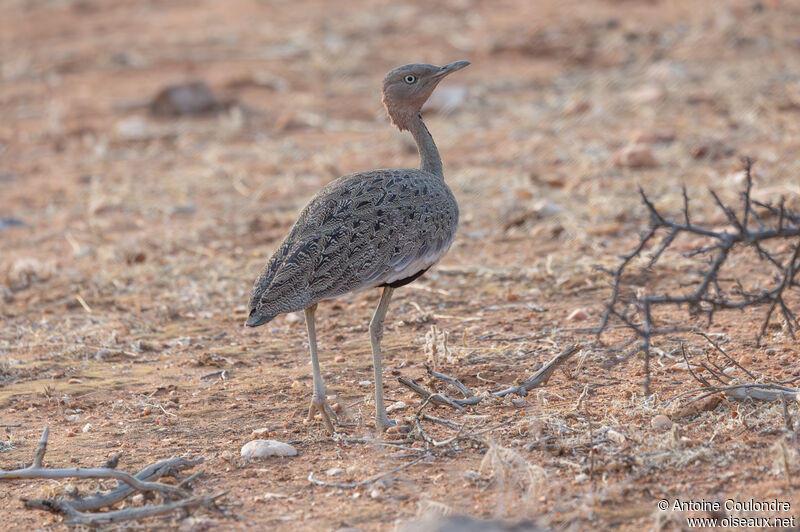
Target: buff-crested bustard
<point x="382" y="228"/>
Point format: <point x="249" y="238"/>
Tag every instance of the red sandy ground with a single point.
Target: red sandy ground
<point x="142" y="236"/>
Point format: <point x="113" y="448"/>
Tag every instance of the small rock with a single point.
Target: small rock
<point x="11" y="222"/>
<point x="577" y="107"/>
<point x="399" y="429"/>
<point x="73" y="380"/>
<point x="634" y="156"/>
<point x="646" y="94"/>
<point x="519" y="402"/>
<point x="227" y="456"/>
<point x="134" y="128"/>
<point x="374" y="493"/>
<point x="137" y="500"/>
<point x="471" y="474"/>
<point x="616" y="437"/>
<point x="399" y="405"/>
<point x="87" y="428"/>
<point x="25" y="271"/>
<point x="339" y="359"/>
<point x="546" y="209"/>
<point x="662" y="423"/>
<point x="653" y="136"/>
<point x="293" y="317"/>
<point x="712" y="149"/>
<point x="193" y="98"/>
<point x="198" y="524"/>
<point x="332" y="472"/>
<point x="365" y="383"/>
<point x="696" y="407"/>
<point x="262" y="448"/>
<point x="578" y="314"/>
<point x="259" y="433"/>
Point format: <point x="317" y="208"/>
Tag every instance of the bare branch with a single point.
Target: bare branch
<point x="713" y="293"/>
<point x="115" y="516"/>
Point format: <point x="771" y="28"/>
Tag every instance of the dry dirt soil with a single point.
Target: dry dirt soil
<point x="129" y="241"/>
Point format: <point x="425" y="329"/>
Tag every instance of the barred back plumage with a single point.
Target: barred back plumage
<point x="369" y="229"/>
<point x="361" y="231"/>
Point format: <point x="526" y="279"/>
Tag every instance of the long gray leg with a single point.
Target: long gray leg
<point x="318" y="401"/>
<point x="376" y="335"/>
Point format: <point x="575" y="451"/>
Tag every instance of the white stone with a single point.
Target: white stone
<point x="661" y="422"/>
<point x="262" y="448"/>
<point x="334" y="471"/>
<point x="293" y="317"/>
<point x="87" y="428"/>
<point x="616" y="437"/>
<point x="134" y="128"/>
<point x="399" y="405"/>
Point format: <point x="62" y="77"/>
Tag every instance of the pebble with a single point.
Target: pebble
<point x="87" y="428"/>
<point x="651" y="136"/>
<point x="661" y="422"/>
<point x="25" y="271"/>
<point x="262" y="448"/>
<point x="635" y="156"/>
<point x="616" y="437"/>
<point x="365" y="383"/>
<point x="578" y="314"/>
<point x="134" y="128"/>
<point x="293" y="317"/>
<point x="190" y="98"/>
<point x="73" y="380"/>
<point x="374" y="494"/>
<point x="646" y="94"/>
<point x="399" y="405"/>
<point x="332" y="472"/>
<point x="519" y="402"/>
<point x="577" y="107"/>
<point x="339" y="359"/>
<point x="259" y="433"/>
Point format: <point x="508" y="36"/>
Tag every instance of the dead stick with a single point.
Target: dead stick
<point x="350" y="485"/>
<point x="540" y="377"/>
<point x="115" y="516"/>
<point x="37" y="471"/>
<point x="455" y="382"/>
<point x="160" y="469"/>
<point x="435" y="398"/>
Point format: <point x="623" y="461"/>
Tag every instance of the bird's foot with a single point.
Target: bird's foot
<point x="320" y="404"/>
<point x="382" y="423"/>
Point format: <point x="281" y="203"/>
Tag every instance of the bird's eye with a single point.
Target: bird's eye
<point x="410" y="79"/>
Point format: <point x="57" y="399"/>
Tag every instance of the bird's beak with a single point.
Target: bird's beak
<point x="449" y="69"/>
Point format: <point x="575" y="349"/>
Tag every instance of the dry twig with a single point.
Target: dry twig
<point x="76" y="509"/>
<point x="745" y="229"/>
<point x="537" y="379"/>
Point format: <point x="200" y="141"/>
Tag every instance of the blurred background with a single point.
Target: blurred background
<point x="154" y="153"/>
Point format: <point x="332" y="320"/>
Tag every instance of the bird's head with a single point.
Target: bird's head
<point x="407" y="88"/>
